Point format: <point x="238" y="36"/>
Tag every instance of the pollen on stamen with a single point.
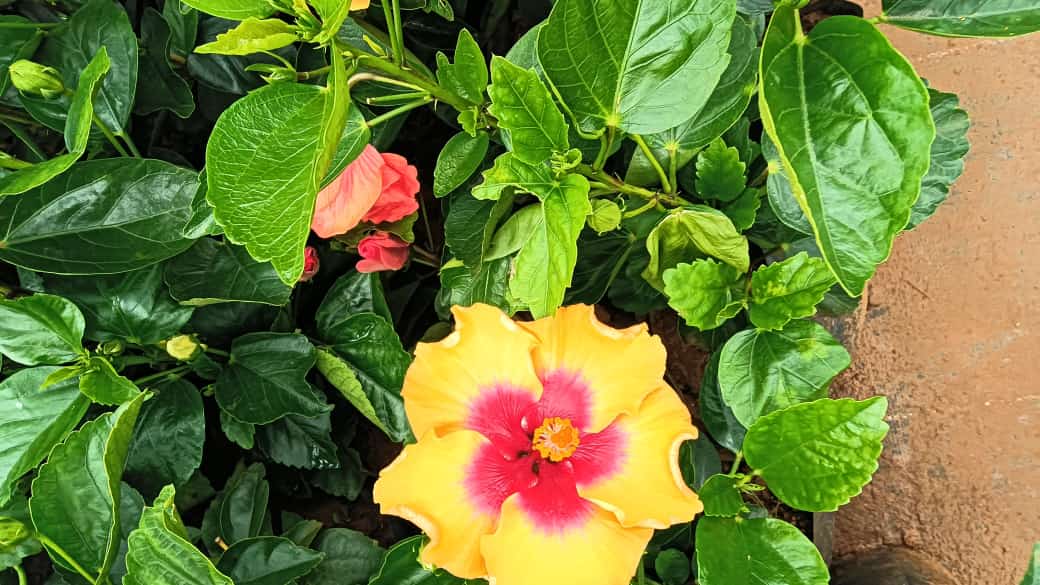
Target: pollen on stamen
<point x="556" y="439"/>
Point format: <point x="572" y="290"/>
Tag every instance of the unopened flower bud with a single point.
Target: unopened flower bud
<point x="182" y="347"/>
<point x="311" y="264"/>
<point x="35" y="79"/>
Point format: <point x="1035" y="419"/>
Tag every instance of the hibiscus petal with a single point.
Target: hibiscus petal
<point x="426" y="485"/>
<point x="617" y="368"/>
<point x="547" y="534"/>
<point x="342" y="204"/>
<point x="640" y="452"/>
<point x="475" y="378"/>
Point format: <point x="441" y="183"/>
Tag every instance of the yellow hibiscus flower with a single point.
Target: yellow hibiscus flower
<point x="547" y="452"/>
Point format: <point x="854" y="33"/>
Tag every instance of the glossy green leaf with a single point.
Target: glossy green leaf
<point x="343" y="378"/>
<point x="252" y="35"/>
<point x="818" y="455"/>
<point x="238" y="432"/>
<point x="241" y="508"/>
<point x="77" y="132"/>
<point x="71" y="47"/>
<point x="690" y="233"/>
<point x="788" y="290"/>
<point x="463" y="286"/>
<point x="743" y="210"/>
<point x="41" y="329"/>
<point x="470" y="225"/>
<point x="948" y="152"/>
<point x="600" y="260"/>
<point x="766" y="551"/>
<point x="17" y="536"/>
<point x="159" y="87"/>
<point x="297" y="441"/>
<point x="605" y="59"/>
<point x="964" y="18"/>
<point x="218" y="272"/>
<point x="350" y="559"/>
<point x="716" y="414"/>
<point x="129" y="214"/>
<point x="265" y="378"/>
<point x="515" y="230"/>
<point x="134" y="306"/>
<point x="850" y="119"/>
<point x="166" y="448"/>
<point x="698" y="460"/>
<point x="131" y="507"/>
<point x="468" y="75"/>
<point x="356" y="136"/>
<point x="76" y="494"/>
<point x="524" y="107"/>
<point x="352" y="293"/>
<point x="705" y="293"/>
<point x="233" y="9"/>
<point x="161" y="554"/>
<point x="102" y="383"/>
<point x="781" y="195"/>
<point x="32" y="421"/>
<point x="265" y="160"/>
<point x="672" y="567"/>
<point x="510" y="171"/>
<point x="401" y="566"/>
<point x="183" y="21"/>
<point x="720" y="172"/>
<point x="16" y="43"/>
<point x="347" y="480"/>
<point x="763" y="371"/>
<point x="458" y="160"/>
<point x="267" y="560"/>
<point x="721" y="496"/>
<point x="545" y="265"/>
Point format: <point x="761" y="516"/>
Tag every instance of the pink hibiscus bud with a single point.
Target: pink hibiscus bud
<point x="375" y="187"/>
<point x="311" y="264"/>
<point x="382" y="251"/>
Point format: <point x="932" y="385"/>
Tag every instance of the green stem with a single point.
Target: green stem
<point x="130" y="143"/>
<point x="605" y="143"/>
<point x="50" y="544"/>
<point x="305" y="75"/>
<point x="641" y="573"/>
<point x="665" y="183"/>
<point x="426" y="223"/>
<point x="398" y="111"/>
<point x="419" y="81"/>
<point x="172" y="372"/>
<point x="218" y="352"/>
<point x="641" y="209"/>
<point x="391" y="25"/>
<point x="111" y="137"/>
<point x="398" y="32"/>
<point x="395" y="98"/>
<point x="736" y="462"/>
<point x="9" y="117"/>
<point x="42" y="25"/>
<point x="22" y="579"/>
<point x="620" y="186"/>
<point x="673" y="168"/>
<point x="27" y="140"/>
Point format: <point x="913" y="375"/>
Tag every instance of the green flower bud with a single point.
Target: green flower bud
<point x="36" y="79"/>
<point x="606" y="216"/>
<point x="182" y="347"/>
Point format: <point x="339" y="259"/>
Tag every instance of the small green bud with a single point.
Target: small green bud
<point x="182" y="347"/>
<point x="111" y="347"/>
<point x="36" y="79"/>
<point x="606" y="216"/>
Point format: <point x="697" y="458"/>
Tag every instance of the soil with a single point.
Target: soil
<point x="949" y="336"/>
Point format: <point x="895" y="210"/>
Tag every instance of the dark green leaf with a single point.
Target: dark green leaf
<point x="303" y="532"/>
<point x="242" y="506"/>
<point x="458" y="160"/>
<point x="401" y="567"/>
<point x="353" y="293"/>
<point x="76" y="494"/>
<point x="17" y="43"/>
<point x="134" y="306"/>
<point x="721" y="496"/>
<point x="470" y="225"/>
<point x="788" y="290"/>
<point x="34" y="420"/>
<point x="238" y="432"/>
<point x="605" y="59"/>
<point x="717" y="416"/>
<point x="128" y="214"/>
<point x="344" y="482"/>
<point x="297" y="441"/>
<point x="765" y="551"/>
<point x="131" y="507"/>
<point x="266" y="379"/>
<point x="819" y="455"/>
<point x="763" y="371"/>
<point x="782" y="199"/>
<point x="964" y="18"/>
<point x="217" y="272"/>
<point x="525" y="108"/>
<point x="350" y="559"/>
<point x="600" y="260"/>
<point x="233" y="9"/>
<point x="743" y="211"/>
<point x="159" y="87"/>
<point x="698" y="461"/>
<point x="267" y="560"/>
<point x="705" y="293"/>
<point x="672" y="567"/>
<point x="167" y="444"/>
<point x="184" y="26"/>
<point x="630" y="291"/>
<point x="464" y="286"/>
<point x="720" y="172"/>
<point x="690" y="233"/>
<point x="41" y="329"/>
<point x="468" y="75"/>
<point x="947" y="158"/>
<point x="850" y="119"/>
<point x="102" y="383"/>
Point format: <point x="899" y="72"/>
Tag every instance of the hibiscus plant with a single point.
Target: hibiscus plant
<point x="274" y="273"/>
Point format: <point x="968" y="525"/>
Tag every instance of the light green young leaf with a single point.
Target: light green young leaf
<point x="129" y="214"/>
<point x="77" y="132"/>
<point x="233" y="9"/>
<point x="213" y="272"/>
<point x="160" y="553"/>
<point x="763" y="371"/>
<point x="343" y="378"/>
<point x="964" y="18"/>
<point x="857" y="175"/>
<point x="41" y="329"/>
<point x="524" y="107"/>
<point x="705" y="293"/>
<point x="948" y="152"/>
<point x="690" y="233"/>
<point x="788" y="290"/>
<point x="252" y="35"/>
<point x="267" y="560"/>
<point x="515" y="230"/>
<point x="468" y="76"/>
<point x="768" y="551"/>
<point x="605" y="59"/>
<point x="1032" y="576"/>
<point x="458" y="160"/>
<point x="605" y="216"/>
<point x="818" y="455"/>
<point x="720" y="172"/>
<point x="76" y="494"/>
<point x="721" y="496"/>
<point x="511" y="171"/>
<point x="545" y="265"/>
<point x="33" y="421"/>
<point x="101" y="383"/>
